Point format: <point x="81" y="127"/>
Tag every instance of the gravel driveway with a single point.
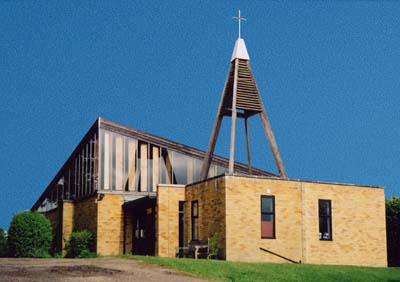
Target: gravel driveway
<point x="77" y="270"/>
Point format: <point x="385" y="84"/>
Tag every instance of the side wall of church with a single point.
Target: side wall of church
<point x="358" y="222"/>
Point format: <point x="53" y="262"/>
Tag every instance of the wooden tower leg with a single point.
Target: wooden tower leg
<point x="272" y="144"/>
<point x="246" y="127"/>
<point x="234" y="115"/>
<point x="211" y="146"/>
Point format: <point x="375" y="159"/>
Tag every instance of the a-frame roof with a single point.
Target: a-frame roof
<point x="181" y="148"/>
<point x="102" y="123"/>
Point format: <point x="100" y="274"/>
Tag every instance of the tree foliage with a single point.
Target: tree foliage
<point x="3" y="244"/>
<point x="393" y="230"/>
<point x="29" y="235"/>
<point x="80" y="245"/>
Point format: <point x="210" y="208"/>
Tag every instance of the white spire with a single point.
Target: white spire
<point x="240" y="50"/>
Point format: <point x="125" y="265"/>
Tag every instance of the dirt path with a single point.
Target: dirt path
<point x="79" y="270"/>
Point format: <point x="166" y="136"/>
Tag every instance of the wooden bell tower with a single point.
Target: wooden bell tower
<point x="241" y="99"/>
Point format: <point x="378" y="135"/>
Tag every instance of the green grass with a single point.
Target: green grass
<point x="275" y="272"/>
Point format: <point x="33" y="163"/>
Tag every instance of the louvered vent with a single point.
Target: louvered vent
<point x="247" y="95"/>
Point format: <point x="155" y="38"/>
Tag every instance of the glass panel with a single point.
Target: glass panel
<point x="197" y="166"/>
<point x="266" y="205"/>
<point x="78" y="183"/>
<point x="75" y="177"/>
<point x="119" y="162"/>
<point x="143" y="166"/>
<point x="179" y="168"/>
<point x="324" y="208"/>
<point x="131" y="157"/>
<point x="324" y="228"/>
<point x="155" y="151"/>
<point x="102" y="160"/>
<point x="221" y="170"/>
<point x="195" y="231"/>
<point x="267" y="229"/>
<point x="165" y="167"/>
<point x="212" y="171"/>
<point x="267" y="217"/>
<point x="195" y="208"/>
<point x="86" y="175"/>
<point x="325" y="232"/>
<point x="113" y="162"/>
<point x="66" y="185"/>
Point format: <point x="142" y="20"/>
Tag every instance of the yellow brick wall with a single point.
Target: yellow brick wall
<point x="101" y="215"/>
<point x="85" y="215"/>
<point x="358" y="225"/>
<point x="211" y="197"/>
<point x="67" y="222"/>
<point x="167" y="219"/>
<point x="243" y="220"/>
<point x="110" y="224"/>
<point x="358" y="222"/>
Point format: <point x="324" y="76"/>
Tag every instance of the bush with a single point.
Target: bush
<point x="3" y="244"/>
<point x="87" y="254"/>
<point x="29" y="235"/>
<point x="214" y="246"/>
<point x="80" y="245"/>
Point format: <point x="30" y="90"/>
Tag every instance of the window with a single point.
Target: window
<point x="268" y="217"/>
<point x="325" y="219"/>
<point x="195" y="220"/>
<point x="181" y="224"/>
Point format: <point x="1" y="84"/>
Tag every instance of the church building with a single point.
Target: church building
<point x="143" y="194"/>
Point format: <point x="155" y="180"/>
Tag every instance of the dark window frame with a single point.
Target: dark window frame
<point x="181" y="223"/>
<point x="329" y="217"/>
<point x="194" y="218"/>
<point x="268" y="213"/>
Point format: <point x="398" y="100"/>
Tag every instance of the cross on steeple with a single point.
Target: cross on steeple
<point x="239" y="18"/>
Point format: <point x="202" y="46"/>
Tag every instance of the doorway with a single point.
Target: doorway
<point x="144" y="235"/>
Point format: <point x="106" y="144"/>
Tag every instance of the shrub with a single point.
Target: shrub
<point x="3" y="244"/>
<point x="80" y="245"/>
<point x="87" y="254"/>
<point x="213" y="246"/>
<point x="29" y="235"/>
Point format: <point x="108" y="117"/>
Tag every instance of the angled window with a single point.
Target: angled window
<point x="325" y="219"/>
<point x="195" y="220"/>
<point x="268" y="217"/>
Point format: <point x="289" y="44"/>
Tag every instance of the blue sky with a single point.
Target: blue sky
<point x="328" y="73"/>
